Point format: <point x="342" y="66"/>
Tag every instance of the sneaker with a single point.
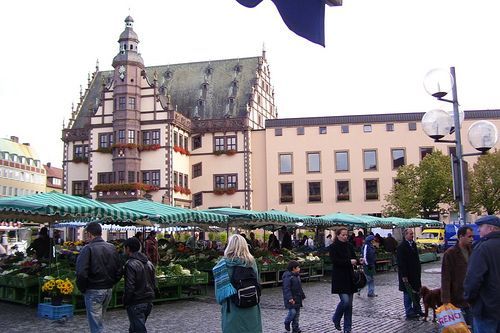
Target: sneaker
<point x="287" y="327"/>
<point x="372" y="295"/>
<point x="337" y="326"/>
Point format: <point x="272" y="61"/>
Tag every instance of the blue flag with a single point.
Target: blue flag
<point x="304" y="17"/>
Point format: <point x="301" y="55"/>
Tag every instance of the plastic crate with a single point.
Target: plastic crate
<point x="201" y="278"/>
<point x="25" y="282"/>
<point x="47" y="310"/>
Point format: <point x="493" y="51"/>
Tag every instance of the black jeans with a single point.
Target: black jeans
<point x="137" y="315"/>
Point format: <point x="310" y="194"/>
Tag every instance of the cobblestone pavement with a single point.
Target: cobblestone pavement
<point x="380" y="314"/>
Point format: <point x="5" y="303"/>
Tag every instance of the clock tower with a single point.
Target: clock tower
<point x="128" y="71"/>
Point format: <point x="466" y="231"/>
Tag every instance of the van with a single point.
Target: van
<point x="432" y="237"/>
<point x="450" y="234"/>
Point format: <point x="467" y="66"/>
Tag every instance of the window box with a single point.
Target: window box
<point x="286" y="199"/>
<point x="185" y="190"/>
<point x="106" y="150"/>
<point x="219" y="191"/>
<point x="371" y="196"/>
<point x="219" y="152"/>
<point x="231" y="191"/>
<point x="181" y="151"/>
<point x="177" y="188"/>
<point x="80" y="160"/>
<point x="149" y="147"/>
<point x="125" y="145"/>
<point x="230" y="152"/>
<point x="126" y="187"/>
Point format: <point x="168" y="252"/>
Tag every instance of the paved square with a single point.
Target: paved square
<point x="380" y="314"/>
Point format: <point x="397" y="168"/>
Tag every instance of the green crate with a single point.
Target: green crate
<point x="267" y="268"/>
<point x="172" y="281"/>
<point x="201" y="278"/>
<point x="186" y="280"/>
<point x="25" y="282"/>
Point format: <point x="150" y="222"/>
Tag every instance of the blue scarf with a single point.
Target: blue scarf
<point x="223" y="286"/>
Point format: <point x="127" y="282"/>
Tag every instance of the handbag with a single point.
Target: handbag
<point x="450" y="319"/>
<point x="359" y="278"/>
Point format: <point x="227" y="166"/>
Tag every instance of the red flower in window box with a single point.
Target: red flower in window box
<point x="231" y="190"/>
<point x="177" y="188"/>
<point x="186" y="191"/>
<point x="230" y="152"/>
<point x="149" y="147"/>
<point x="107" y="150"/>
<point x="187" y="152"/>
<point x="219" y="191"/>
<point x="177" y="149"/>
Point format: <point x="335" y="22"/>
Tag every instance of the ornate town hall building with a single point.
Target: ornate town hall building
<point x="153" y="131"/>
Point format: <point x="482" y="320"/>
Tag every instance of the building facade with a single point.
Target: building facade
<point x="207" y="134"/>
<point x="21" y="172"/>
<point x="54" y="178"/>
<point x="155" y="132"/>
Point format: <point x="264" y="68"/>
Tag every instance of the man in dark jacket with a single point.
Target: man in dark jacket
<point x="409" y="272"/>
<point x="453" y="269"/>
<point x="293" y="295"/>
<point x="98" y="268"/>
<point x="140" y="285"/>
<point x="482" y="281"/>
<point x="369" y="260"/>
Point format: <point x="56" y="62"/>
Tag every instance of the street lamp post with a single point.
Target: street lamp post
<point x="438" y="123"/>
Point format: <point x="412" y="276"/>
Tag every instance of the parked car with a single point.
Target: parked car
<point x="433" y="237"/>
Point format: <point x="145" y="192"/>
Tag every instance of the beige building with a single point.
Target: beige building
<point x="206" y="134"/>
<point x="323" y="165"/>
<point x="21" y="172"/>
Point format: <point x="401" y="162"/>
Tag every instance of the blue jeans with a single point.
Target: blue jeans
<point x="483" y="325"/>
<point x="344" y="308"/>
<point x="137" y="315"/>
<point x="411" y="309"/>
<point x="370" y="280"/>
<point x="293" y="317"/>
<point x="96" y="303"/>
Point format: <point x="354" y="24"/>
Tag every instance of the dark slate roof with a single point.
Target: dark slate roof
<point x="183" y="82"/>
<point x="370" y="118"/>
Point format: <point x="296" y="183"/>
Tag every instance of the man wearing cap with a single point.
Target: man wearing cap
<point x="98" y="269"/>
<point x="482" y="281"/>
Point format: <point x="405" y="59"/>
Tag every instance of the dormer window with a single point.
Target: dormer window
<point x="131" y="46"/>
<point x="237" y="68"/>
<point x="168" y="74"/>
<point x="209" y="70"/>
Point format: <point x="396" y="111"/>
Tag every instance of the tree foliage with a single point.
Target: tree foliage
<point x="484" y="183"/>
<point x="419" y="190"/>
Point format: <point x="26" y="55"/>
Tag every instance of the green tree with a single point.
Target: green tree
<point x="419" y="190"/>
<point x="484" y="183"/>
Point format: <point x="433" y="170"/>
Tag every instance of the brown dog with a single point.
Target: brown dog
<point x="431" y="299"/>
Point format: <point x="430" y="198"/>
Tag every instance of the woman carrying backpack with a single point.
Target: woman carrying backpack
<point x="237" y="288"/>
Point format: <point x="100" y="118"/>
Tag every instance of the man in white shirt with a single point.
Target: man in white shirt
<point x="328" y="241"/>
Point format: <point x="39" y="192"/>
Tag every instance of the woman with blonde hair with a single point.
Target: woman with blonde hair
<point x="237" y="317"/>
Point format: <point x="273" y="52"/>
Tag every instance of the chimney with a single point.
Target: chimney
<point x="14" y="139"/>
<point x="48" y="164"/>
<point x="26" y="144"/>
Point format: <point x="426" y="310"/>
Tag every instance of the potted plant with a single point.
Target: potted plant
<point x="231" y="190"/>
<point x="57" y="289"/>
<point x="219" y="152"/>
<point x="177" y="188"/>
<point x="219" y="191"/>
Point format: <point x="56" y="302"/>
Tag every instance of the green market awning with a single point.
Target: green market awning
<point x="237" y="216"/>
<point x="426" y="223"/>
<point x="166" y="214"/>
<point x="53" y="206"/>
<point x="290" y="218"/>
<point x="376" y="222"/>
<point x="342" y="219"/>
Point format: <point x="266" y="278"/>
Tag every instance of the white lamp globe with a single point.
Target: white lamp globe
<point x="437" y="123"/>
<point x="483" y="135"/>
<point x="438" y="82"/>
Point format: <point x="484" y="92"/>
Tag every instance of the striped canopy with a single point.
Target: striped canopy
<point x="427" y="223"/>
<point x="166" y="214"/>
<point x="343" y="219"/>
<point x="53" y="206"/>
<point x="290" y="218"/>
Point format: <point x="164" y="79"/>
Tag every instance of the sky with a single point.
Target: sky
<point x="376" y="56"/>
